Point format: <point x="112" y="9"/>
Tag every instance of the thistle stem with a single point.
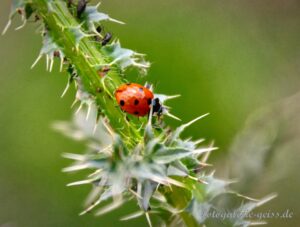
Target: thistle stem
<point x="85" y="56"/>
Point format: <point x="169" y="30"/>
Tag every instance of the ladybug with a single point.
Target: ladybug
<point x="137" y="100"/>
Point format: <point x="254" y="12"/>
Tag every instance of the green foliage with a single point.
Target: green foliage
<point x="129" y="158"/>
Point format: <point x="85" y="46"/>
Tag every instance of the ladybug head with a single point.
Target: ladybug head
<point x="157" y="107"/>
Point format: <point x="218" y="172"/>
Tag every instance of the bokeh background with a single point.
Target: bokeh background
<point x="238" y="60"/>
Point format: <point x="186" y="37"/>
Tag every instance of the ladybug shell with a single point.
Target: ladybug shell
<point x="134" y="99"/>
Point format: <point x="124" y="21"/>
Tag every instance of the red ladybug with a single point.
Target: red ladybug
<point x="134" y="99"/>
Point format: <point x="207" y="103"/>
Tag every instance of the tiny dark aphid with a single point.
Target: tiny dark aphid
<point x="56" y="54"/>
<point x="36" y="18"/>
<point x="81" y="7"/>
<point x="106" y="39"/>
<point x="99" y="29"/>
<point x="20" y="11"/>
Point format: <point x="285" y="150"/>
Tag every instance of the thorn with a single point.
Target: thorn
<point x="173" y="96"/>
<point x="76" y="157"/>
<point x="266" y="199"/>
<point x="207" y="154"/>
<point x="173" y="116"/>
<point x="132" y="216"/>
<point x="117" y="203"/>
<point x="202" y="181"/>
<point x="88" y="111"/>
<point x="136" y="194"/>
<point x="76" y="183"/>
<point x="98" y="4"/>
<point x="75" y="168"/>
<point x="65" y="90"/>
<point x="36" y="61"/>
<point x="196" y="119"/>
<point x="47" y="62"/>
<point x="22" y="25"/>
<point x="51" y="64"/>
<point x="116" y="21"/>
<point x="108" y="129"/>
<point x="148" y="219"/>
<point x="79" y="108"/>
<point x="6" y="27"/>
<point x="197" y="142"/>
<point x="204" y="150"/>
<point x="61" y="64"/>
<point x="73" y="104"/>
<point x="90" y="207"/>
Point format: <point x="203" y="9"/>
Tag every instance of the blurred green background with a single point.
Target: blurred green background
<point x="229" y="58"/>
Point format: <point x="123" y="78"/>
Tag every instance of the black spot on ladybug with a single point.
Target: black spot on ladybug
<point x="149" y="101"/>
<point x="122" y="103"/>
<point x="141" y="89"/>
<point x="136" y="102"/>
<point x="128" y="84"/>
<point x="136" y="112"/>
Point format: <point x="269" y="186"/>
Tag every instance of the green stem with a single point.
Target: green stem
<point x="59" y="21"/>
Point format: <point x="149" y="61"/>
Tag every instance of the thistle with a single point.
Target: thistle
<point x="129" y="158"/>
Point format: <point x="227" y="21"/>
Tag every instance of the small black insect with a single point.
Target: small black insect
<point x="106" y="39"/>
<point x="81" y="7"/>
<point x="36" y="18"/>
<point x="99" y="29"/>
<point x="56" y="54"/>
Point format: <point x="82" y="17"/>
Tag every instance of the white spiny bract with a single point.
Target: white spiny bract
<point x="161" y="171"/>
<point x="125" y="57"/>
<point x="123" y="174"/>
<point x="93" y="16"/>
<point x="50" y="49"/>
